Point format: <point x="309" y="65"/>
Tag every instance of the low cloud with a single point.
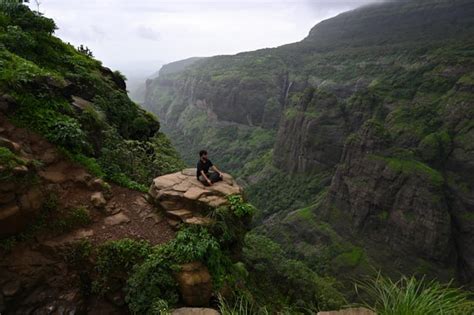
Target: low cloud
<point x="125" y="34"/>
<point x="147" y="32"/>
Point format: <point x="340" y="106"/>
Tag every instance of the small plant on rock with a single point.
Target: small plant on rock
<point x="239" y="207"/>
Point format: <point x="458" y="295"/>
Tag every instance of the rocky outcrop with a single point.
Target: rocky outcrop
<point x="186" y="200"/>
<point x="20" y="196"/>
<point x="195" y="284"/>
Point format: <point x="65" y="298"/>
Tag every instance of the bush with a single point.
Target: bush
<point x="152" y="281"/>
<point x="67" y="133"/>
<point x="116" y="259"/>
<point x="71" y="219"/>
<point x="410" y="296"/>
<point x="9" y="159"/>
<point x="239" y="207"/>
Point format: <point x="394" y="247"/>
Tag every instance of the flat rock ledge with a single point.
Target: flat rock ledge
<point x="185" y="200"/>
<point x="350" y="311"/>
<point x="195" y="311"/>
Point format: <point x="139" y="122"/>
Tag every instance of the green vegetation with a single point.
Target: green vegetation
<point x="66" y="220"/>
<point x="241" y="306"/>
<point x="412" y="166"/>
<point x="278" y="192"/>
<point x="8" y="159"/>
<point x="153" y="280"/>
<point x="278" y="281"/>
<point x="410" y="296"/>
<point x="107" y="133"/>
<point x="114" y="262"/>
<point x="239" y="207"/>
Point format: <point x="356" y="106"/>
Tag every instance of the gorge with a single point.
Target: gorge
<point x="360" y="134"/>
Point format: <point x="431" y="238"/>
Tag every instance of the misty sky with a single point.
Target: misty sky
<point x="137" y="36"/>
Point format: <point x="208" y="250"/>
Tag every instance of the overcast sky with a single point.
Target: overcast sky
<point x="137" y="36"/>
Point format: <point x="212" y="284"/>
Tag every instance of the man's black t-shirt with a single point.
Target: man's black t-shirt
<point x="203" y="166"/>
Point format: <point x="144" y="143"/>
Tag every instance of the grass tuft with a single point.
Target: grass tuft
<point x="411" y="296"/>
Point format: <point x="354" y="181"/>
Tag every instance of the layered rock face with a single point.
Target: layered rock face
<point x="21" y="196"/>
<point x="310" y="134"/>
<point x="397" y="202"/>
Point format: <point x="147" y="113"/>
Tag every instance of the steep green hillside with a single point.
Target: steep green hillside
<point x="76" y="103"/>
<point x="365" y="126"/>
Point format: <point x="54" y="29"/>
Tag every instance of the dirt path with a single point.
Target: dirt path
<point x="33" y="276"/>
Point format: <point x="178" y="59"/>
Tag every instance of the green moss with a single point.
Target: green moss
<point x="306" y="213"/>
<point x="467" y="216"/>
<point x="9" y="159"/>
<point x="435" y="147"/>
<point x="383" y="215"/>
<point x="409" y="216"/>
<point x="410" y="167"/>
<point x="350" y="259"/>
<point x="467" y="79"/>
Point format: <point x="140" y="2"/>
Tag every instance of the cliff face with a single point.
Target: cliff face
<point x="379" y="98"/>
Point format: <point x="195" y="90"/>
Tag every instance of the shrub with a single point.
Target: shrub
<point x="9" y="159"/>
<point x="410" y="296"/>
<point x="70" y="219"/>
<point x="152" y="281"/>
<point x="239" y="207"/>
<point x="116" y="259"/>
<point x="68" y="134"/>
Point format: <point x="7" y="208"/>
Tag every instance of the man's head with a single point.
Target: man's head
<point x="203" y="155"/>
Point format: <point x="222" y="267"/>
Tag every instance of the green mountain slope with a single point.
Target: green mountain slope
<point x="366" y="125"/>
<point x="79" y="105"/>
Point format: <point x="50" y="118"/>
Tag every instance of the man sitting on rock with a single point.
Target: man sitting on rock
<point x="203" y="174"/>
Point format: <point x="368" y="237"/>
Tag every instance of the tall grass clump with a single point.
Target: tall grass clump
<point x="240" y="306"/>
<point x="411" y="296"/>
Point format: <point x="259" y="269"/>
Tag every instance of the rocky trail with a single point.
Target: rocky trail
<point x="33" y="271"/>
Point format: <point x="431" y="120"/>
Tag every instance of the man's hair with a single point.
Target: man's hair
<point x="202" y="152"/>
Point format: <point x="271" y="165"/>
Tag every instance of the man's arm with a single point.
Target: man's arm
<point x="206" y="178"/>
<point x="215" y="169"/>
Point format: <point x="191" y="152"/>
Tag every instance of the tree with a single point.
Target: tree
<point x="85" y="50"/>
<point x="38" y="3"/>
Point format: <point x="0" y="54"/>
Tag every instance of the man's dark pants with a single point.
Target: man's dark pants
<point x="213" y="177"/>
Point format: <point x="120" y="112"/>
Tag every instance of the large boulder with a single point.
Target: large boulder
<point x="350" y="311"/>
<point x="186" y="200"/>
<point x="195" y="284"/>
<point x="194" y="311"/>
